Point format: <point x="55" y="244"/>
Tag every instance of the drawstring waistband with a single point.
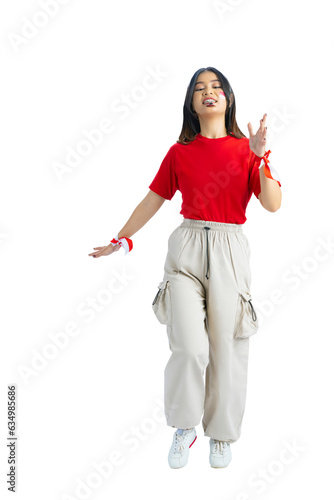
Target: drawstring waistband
<point x="207" y="225"/>
<point x="215" y="226"/>
<point x="207" y="252"/>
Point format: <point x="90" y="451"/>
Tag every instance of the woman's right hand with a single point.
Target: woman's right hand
<point x="107" y="250"/>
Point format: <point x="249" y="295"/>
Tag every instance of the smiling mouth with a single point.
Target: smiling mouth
<point x="209" y="102"/>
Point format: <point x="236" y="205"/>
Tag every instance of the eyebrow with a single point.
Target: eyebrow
<point x="210" y="81"/>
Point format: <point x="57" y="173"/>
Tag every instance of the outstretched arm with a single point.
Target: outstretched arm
<point x="142" y="214"/>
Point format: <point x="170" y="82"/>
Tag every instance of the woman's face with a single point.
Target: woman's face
<point x="208" y="86"/>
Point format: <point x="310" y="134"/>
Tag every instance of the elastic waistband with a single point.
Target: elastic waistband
<point x="216" y="226"/>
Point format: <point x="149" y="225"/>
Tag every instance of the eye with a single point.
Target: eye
<point x="216" y="87"/>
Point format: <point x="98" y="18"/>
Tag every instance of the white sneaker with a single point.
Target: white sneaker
<point x="179" y="451"/>
<point x="220" y="453"/>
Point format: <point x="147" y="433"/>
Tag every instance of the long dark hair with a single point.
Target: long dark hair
<point x="191" y="125"/>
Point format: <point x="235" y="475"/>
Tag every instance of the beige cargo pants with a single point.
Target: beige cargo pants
<point x="205" y="301"/>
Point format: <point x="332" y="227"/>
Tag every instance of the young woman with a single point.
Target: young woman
<point x="205" y="297"/>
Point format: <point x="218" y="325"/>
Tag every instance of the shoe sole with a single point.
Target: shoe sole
<point x="220" y="466"/>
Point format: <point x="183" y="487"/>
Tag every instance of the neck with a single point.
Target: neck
<point x="213" y="129"/>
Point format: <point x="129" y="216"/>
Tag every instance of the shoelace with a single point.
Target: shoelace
<point x="219" y="446"/>
<point x="179" y="443"/>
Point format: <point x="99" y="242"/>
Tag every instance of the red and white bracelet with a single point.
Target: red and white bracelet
<point x="126" y="243"/>
<point x="269" y="170"/>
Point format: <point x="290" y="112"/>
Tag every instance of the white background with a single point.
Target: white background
<point x="75" y="410"/>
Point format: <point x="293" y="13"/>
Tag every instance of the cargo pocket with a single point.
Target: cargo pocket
<point x="246" y="322"/>
<point x="161" y="303"/>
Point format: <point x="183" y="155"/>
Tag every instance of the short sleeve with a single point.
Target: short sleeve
<point x="254" y="183"/>
<point x="165" y="182"/>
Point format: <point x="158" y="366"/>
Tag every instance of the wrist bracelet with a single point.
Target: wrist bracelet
<point x="126" y="243"/>
<point x="269" y="170"/>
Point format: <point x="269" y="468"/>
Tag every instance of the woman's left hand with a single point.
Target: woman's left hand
<point x="257" y="142"/>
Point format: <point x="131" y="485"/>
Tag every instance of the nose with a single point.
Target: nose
<point x="207" y="94"/>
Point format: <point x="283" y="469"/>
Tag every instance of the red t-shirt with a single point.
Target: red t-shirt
<point x="215" y="176"/>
